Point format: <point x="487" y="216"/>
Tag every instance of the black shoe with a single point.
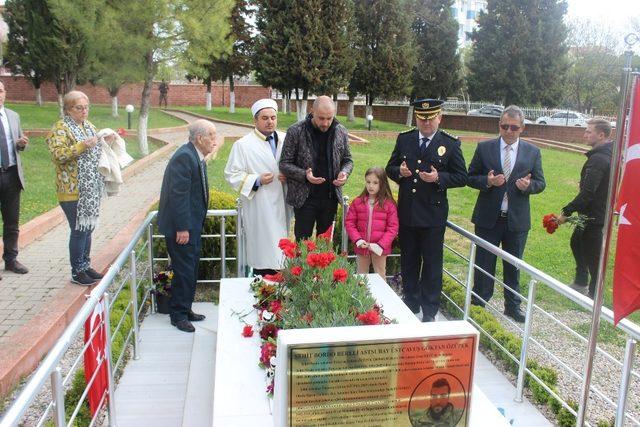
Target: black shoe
<point x="94" y="274"/>
<point x="82" y="278"/>
<point x="194" y="317"/>
<point x="183" y="325"/>
<point x="515" y="313"/>
<point x="16" y="267"/>
<point x="426" y="318"/>
<point x="476" y="301"/>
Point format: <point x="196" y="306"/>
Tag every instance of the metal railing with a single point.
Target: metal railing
<point x="538" y="277"/>
<point x="123" y="274"/>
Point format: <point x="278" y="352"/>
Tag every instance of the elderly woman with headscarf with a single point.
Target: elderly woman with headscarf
<point x="73" y="144"/>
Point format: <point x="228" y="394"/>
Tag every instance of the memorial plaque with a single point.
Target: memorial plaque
<point x="386" y="377"/>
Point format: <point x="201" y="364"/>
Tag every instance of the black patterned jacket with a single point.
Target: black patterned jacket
<point x="298" y="156"/>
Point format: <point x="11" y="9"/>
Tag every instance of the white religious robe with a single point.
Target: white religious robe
<point x="265" y="215"/>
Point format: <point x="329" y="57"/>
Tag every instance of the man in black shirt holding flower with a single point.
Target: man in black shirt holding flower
<point x="586" y="243"/>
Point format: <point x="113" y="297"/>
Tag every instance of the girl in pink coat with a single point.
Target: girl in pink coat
<point x="372" y="222"/>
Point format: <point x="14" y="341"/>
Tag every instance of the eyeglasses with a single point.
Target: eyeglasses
<point x="514" y="128"/>
<point x="81" y="107"/>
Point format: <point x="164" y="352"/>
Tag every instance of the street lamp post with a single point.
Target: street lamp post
<point x="129" y="109"/>
<point x="369" y="120"/>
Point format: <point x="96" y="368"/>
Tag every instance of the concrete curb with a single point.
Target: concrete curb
<point x="25" y="349"/>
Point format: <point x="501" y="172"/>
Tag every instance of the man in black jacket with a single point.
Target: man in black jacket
<point x="316" y="160"/>
<point x="591" y="201"/>
<point x="425" y="163"/>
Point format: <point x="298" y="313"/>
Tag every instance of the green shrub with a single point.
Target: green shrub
<point x="211" y="247"/>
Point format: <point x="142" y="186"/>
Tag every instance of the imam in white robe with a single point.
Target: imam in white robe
<point x="264" y="212"/>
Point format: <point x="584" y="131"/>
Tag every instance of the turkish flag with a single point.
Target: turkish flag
<point x="626" y="273"/>
<point x="94" y="357"/>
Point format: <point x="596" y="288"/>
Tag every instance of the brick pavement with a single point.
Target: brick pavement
<point x="24" y="296"/>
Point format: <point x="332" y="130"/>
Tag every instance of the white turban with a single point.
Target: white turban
<point x="263" y="103"/>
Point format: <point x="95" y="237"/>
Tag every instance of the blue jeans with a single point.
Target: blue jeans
<point x="79" y="241"/>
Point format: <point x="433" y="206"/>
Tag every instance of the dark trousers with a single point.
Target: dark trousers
<point x="512" y="242"/>
<point x="315" y="211"/>
<point x="79" y="241"/>
<point x="10" y="189"/>
<point x="421" y="267"/>
<point x="586" y="245"/>
<point x="185" y="260"/>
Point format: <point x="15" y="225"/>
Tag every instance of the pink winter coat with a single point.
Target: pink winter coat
<point x="384" y="225"/>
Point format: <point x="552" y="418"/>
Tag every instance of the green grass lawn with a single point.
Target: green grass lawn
<point x="40" y="193"/>
<point x="243" y="115"/>
<point x="549" y="253"/>
<point x="33" y="116"/>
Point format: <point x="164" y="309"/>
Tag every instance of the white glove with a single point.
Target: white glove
<point x="375" y="248"/>
<point x="361" y="243"/>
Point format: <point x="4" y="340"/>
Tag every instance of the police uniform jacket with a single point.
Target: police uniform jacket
<point x="420" y="203"/>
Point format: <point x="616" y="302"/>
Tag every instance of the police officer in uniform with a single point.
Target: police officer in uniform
<point x="425" y="163"/>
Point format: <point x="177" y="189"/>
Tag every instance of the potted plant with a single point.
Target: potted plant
<point x="162" y="289"/>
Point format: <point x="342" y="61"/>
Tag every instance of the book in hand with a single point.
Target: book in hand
<point x="375" y="248"/>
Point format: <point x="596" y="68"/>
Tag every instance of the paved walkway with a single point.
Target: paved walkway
<point x="24" y="296"/>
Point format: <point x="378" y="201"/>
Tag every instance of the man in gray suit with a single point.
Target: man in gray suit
<point x="12" y="142"/>
<point x="506" y="170"/>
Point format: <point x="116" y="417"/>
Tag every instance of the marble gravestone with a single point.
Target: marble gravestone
<point x="417" y="374"/>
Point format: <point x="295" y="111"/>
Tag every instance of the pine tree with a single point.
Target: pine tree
<point x="52" y="41"/>
<point x="385" y="44"/>
<point x="231" y="64"/>
<point x="519" y="53"/>
<point x="304" y="46"/>
<point x="437" y="70"/>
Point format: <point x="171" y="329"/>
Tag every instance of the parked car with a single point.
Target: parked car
<point x="564" y="118"/>
<point x="487" y="111"/>
<point x="491" y="111"/>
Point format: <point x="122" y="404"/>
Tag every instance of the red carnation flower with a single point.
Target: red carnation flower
<point x="308" y="317"/>
<point x="274" y="277"/>
<point x="311" y="245"/>
<point x="247" y="331"/>
<point x="549" y="223"/>
<point x="275" y="307"/>
<point x="296" y="271"/>
<point x="122" y="132"/>
<point x="371" y="317"/>
<point x="266" y="352"/>
<point x="288" y="247"/>
<point x="321" y="260"/>
<point x="269" y="330"/>
<point x="340" y="275"/>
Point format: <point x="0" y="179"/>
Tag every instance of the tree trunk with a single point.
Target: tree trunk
<point x="145" y="103"/>
<point x="114" y="106"/>
<point x="39" y="96"/>
<point x="351" y="117"/>
<point x="232" y="95"/>
<point x="409" y="120"/>
<point x="286" y="99"/>
<point x="207" y="96"/>
<point x="60" y="104"/>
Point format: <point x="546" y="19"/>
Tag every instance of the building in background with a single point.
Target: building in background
<point x="466" y="12"/>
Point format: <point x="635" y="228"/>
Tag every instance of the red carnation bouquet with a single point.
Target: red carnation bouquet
<point x="550" y="222"/>
<point x="316" y="288"/>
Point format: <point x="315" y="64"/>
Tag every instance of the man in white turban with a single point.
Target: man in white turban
<point x="252" y="170"/>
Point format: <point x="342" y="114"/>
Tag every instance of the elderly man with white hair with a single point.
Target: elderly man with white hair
<point x="252" y="170"/>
